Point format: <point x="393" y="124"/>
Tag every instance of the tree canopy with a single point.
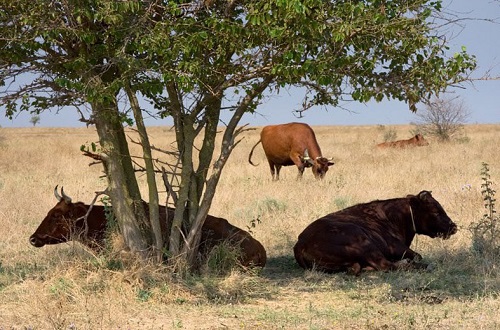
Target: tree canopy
<point x="194" y="60"/>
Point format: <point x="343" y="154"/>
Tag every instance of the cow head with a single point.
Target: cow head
<point x="420" y="141"/>
<point x="61" y="222"/>
<point x="429" y="217"/>
<point x="319" y="164"/>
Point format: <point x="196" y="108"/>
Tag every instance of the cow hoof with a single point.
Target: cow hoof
<point x="355" y="269"/>
<point x="402" y="263"/>
<point x="417" y="257"/>
<point x="422" y="266"/>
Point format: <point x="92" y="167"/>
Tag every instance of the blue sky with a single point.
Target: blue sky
<point x="481" y="98"/>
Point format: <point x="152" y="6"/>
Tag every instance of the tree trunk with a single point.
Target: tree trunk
<point x="154" y="213"/>
<point x="196" y="191"/>
<point x="183" y="199"/>
<point x="123" y="189"/>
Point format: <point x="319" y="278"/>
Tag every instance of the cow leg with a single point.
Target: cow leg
<point x="301" y="172"/>
<point x="409" y="259"/>
<point x="401" y="251"/>
<point x="297" y="160"/>
<point x="273" y="171"/>
<point x="278" y="169"/>
<point x="377" y="261"/>
<point x="403" y="258"/>
<point x="406" y="259"/>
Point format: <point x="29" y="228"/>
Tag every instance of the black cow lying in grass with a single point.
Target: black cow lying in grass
<point x="372" y="236"/>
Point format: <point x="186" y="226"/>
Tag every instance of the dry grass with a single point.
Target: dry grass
<point x="66" y="287"/>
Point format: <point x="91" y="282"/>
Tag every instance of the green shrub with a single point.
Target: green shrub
<point x="271" y="205"/>
<point x="222" y="259"/>
<point x="486" y="232"/>
<point x="143" y="295"/>
<point x="342" y="202"/>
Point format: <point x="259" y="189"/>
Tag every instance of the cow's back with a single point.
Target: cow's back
<point x="216" y="230"/>
<point x="278" y="141"/>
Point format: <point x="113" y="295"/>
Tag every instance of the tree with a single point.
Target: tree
<point x="35" y="119"/>
<point x="442" y="117"/>
<point x="195" y="60"/>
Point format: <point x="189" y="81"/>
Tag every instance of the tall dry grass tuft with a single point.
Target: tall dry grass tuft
<point x="67" y="287"/>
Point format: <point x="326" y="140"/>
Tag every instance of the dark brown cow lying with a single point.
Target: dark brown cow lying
<point x="292" y="144"/>
<point x="372" y="236"/>
<point x="65" y="222"/>
<point x="416" y="141"/>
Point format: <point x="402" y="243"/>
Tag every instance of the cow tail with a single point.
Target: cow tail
<point x="251" y="153"/>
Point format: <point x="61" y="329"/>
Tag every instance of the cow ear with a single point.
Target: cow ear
<point x="424" y="194"/>
<point x="326" y="161"/>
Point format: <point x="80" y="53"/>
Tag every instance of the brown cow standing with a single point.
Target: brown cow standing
<point x="418" y="140"/>
<point x="292" y="144"/>
<point x="65" y="221"/>
<point x="372" y="236"/>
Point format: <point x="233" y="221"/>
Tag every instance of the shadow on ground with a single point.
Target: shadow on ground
<point x="459" y="276"/>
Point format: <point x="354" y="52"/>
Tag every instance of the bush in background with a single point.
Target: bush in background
<point x="443" y="118"/>
<point x="389" y="134"/>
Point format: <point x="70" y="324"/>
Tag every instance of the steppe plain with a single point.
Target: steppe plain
<point x="67" y="287"/>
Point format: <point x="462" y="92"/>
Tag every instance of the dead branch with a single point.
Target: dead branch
<point x="168" y="186"/>
<point x="85" y="217"/>
<point x="98" y="157"/>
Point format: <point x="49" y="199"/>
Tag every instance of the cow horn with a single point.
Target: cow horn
<point x="67" y="199"/>
<point x="306" y="155"/>
<point x="57" y="194"/>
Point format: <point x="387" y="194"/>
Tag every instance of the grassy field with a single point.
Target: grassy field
<point x="67" y="287"/>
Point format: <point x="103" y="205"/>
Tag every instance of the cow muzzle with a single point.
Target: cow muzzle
<point x="453" y="230"/>
<point x="36" y="242"/>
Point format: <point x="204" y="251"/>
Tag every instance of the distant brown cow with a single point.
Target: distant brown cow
<point x="418" y="140"/>
<point x="65" y="222"/>
<point x="372" y="236"/>
<point x="292" y="144"/>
